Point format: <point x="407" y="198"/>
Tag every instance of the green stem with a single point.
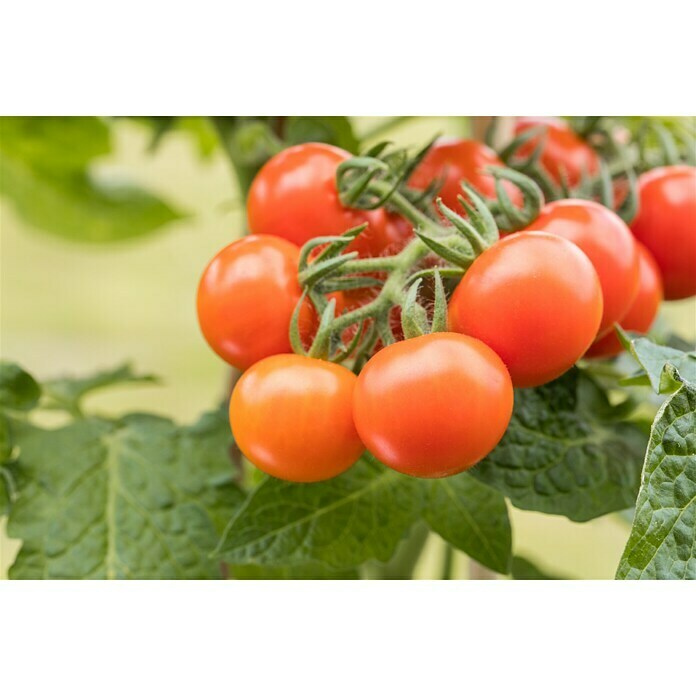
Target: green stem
<point x="404" y="561"/>
<point x="447" y="563"/>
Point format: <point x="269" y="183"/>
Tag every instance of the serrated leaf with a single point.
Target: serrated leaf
<point x="472" y="517"/>
<point x="565" y="453"/>
<point x="662" y="544"/>
<point x="656" y="360"/>
<point x="137" y="498"/>
<point x="341" y="523"/>
<point x="19" y="391"/>
<point x="45" y="173"/>
<point x="68" y="392"/>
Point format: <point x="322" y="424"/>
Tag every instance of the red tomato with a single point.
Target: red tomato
<point x="564" y="151"/>
<point x="642" y="312"/>
<point x="535" y="299"/>
<point x="292" y="418"/>
<point x="246" y="298"/>
<point x="455" y="160"/>
<point x="294" y="196"/>
<point x="666" y="224"/>
<point x="398" y="233"/>
<point x="608" y="243"/>
<point x="433" y="406"/>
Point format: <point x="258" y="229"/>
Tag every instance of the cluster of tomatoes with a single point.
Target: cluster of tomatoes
<point x="525" y="311"/>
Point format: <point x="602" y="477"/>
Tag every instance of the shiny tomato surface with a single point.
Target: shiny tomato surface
<point x="666" y="224"/>
<point x="564" y="152"/>
<point x="642" y="312"/>
<point x="292" y="417"/>
<point x="535" y="299"/>
<point x="454" y="160"/>
<point x="433" y="406"/>
<point x="294" y="196"/>
<point x="246" y="298"/>
<point x="608" y="243"/>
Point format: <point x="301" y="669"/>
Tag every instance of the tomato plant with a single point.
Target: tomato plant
<point x="443" y="383"/>
<point x="509" y="299"/>
<point x="607" y="242"/>
<point x="666" y="224"/>
<point x="287" y="402"/>
<point x="395" y="387"/>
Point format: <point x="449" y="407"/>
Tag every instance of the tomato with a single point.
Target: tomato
<point x="454" y="160"/>
<point x="608" y="243"/>
<point x="292" y="417"/>
<point x="246" y="298"/>
<point x="294" y="196"/>
<point x="398" y="232"/>
<point x="433" y="406"/>
<point x="564" y="152"/>
<point x="535" y="299"/>
<point x="666" y="224"/>
<point x="642" y="312"/>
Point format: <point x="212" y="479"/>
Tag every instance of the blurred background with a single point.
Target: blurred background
<point x="69" y="307"/>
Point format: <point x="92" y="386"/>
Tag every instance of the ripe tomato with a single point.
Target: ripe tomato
<point x="608" y="243"/>
<point x="433" y="406"/>
<point x="535" y="299"/>
<point x="294" y="196"/>
<point x="642" y="312"/>
<point x="246" y="298"/>
<point x="292" y="418"/>
<point x="563" y="152"/>
<point x="454" y="160"/>
<point x="398" y="232"/>
<point x="666" y="224"/>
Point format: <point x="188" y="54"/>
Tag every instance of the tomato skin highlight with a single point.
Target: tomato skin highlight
<point x="433" y="406"/>
<point x="666" y="224"/>
<point x="606" y="240"/>
<point x="292" y="418"/>
<point x="563" y="151"/>
<point x="642" y="312"/>
<point x="535" y="299"/>
<point x="294" y="196"/>
<point x="246" y="297"/>
<point x="456" y="159"/>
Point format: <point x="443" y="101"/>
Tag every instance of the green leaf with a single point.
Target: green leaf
<point x="472" y="517"/>
<point x="566" y="452"/>
<point x="658" y="362"/>
<point x="524" y="569"/>
<point x="137" y="498"/>
<point x="340" y="523"/>
<point x="306" y="572"/>
<point x="335" y="130"/>
<point x="19" y="391"/>
<point x="45" y="173"/>
<point x="662" y="544"/>
<point x="68" y="392"/>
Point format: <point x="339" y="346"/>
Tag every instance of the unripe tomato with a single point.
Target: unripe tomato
<point x="563" y="150"/>
<point x="294" y="196"/>
<point x="642" y="312"/>
<point x="666" y="224"/>
<point x="535" y="299"/>
<point x="433" y="406"/>
<point x="608" y="243"/>
<point x="292" y="417"/>
<point x="454" y="160"/>
<point x="246" y="298"/>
